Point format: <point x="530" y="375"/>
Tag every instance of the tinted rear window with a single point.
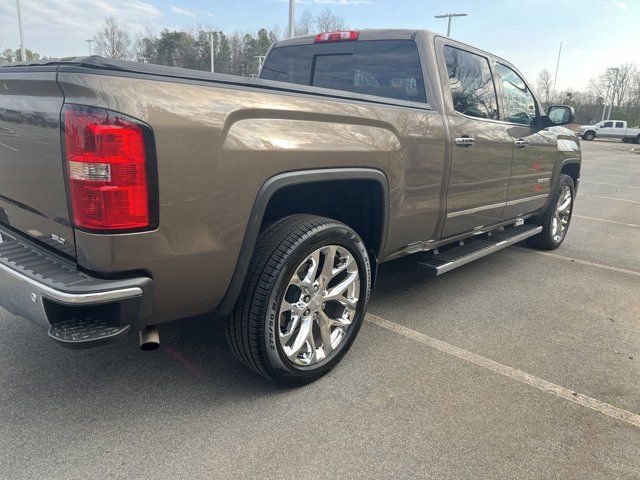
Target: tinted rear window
<point x="387" y="68"/>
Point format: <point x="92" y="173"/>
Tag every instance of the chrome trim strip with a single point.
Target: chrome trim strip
<point x="526" y="199"/>
<point x="475" y="210"/>
<point x="74" y="298"/>
<point x="495" y="205"/>
<point x="486" y="251"/>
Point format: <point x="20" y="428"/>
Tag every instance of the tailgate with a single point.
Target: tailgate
<point x="33" y="198"/>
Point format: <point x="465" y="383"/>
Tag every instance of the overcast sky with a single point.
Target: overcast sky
<point x="596" y="34"/>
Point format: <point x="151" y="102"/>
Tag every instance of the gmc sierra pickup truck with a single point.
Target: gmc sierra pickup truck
<point x="132" y="194"/>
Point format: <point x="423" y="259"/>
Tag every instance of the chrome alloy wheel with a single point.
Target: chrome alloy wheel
<point x="560" y="221"/>
<point x="319" y="305"/>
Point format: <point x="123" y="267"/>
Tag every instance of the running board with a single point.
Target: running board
<point x="440" y="263"/>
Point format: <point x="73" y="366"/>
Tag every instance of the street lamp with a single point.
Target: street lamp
<point x="212" y="54"/>
<point x="22" y="52"/>
<point x="613" y="90"/>
<point x="449" y="16"/>
<point x="292" y="18"/>
<point x="260" y="62"/>
<point x="555" y="79"/>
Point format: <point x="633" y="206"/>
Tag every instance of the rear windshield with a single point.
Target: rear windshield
<point x="387" y="68"/>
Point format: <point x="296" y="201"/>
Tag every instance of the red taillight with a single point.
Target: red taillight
<point x="341" y="36"/>
<point x="107" y="170"/>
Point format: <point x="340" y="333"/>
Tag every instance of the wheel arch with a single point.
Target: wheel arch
<point x="571" y="167"/>
<point x="269" y="206"/>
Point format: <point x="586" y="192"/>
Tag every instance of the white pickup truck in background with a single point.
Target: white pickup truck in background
<point x="610" y="129"/>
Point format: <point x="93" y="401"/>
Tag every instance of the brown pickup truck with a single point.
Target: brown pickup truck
<point x="132" y="194"/>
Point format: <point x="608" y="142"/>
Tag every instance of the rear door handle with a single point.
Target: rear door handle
<point x="521" y="143"/>
<point x="465" y="141"/>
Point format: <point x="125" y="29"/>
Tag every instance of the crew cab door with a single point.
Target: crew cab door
<point x="619" y="129"/>
<point x="481" y="147"/>
<point x="605" y="130"/>
<point x="534" y="150"/>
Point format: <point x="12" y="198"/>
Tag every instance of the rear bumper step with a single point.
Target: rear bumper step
<point x="86" y="332"/>
<point x="440" y="263"/>
<point x="78" y="309"/>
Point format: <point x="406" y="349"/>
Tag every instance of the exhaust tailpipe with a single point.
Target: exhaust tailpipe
<point x="149" y="338"/>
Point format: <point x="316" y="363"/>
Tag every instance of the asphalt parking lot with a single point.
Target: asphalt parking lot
<point x="520" y="365"/>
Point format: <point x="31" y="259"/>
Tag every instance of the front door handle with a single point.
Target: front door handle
<point x="465" y="141"/>
<point x="521" y="143"/>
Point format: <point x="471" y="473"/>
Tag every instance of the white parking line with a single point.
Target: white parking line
<point x="14" y="149"/>
<point x="518" y="375"/>
<point x="607" y="221"/>
<point x="582" y="262"/>
<point x="607" y="174"/>
<point x="612" y="184"/>
<point x="610" y="198"/>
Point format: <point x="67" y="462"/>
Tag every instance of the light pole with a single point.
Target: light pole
<point x="613" y="90"/>
<point x="450" y="16"/>
<point x="260" y="62"/>
<point x="556" y="77"/>
<point x="292" y="18"/>
<point x="90" y="42"/>
<point x="212" y="54"/>
<point x="22" y="52"/>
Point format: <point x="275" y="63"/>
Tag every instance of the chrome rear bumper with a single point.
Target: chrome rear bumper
<point x="46" y="289"/>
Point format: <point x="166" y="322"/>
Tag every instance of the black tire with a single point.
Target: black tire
<point x="545" y="239"/>
<point x="251" y="328"/>
<point x="638" y="138"/>
<point x="589" y="135"/>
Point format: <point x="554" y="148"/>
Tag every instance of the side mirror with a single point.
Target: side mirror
<point x="560" y="115"/>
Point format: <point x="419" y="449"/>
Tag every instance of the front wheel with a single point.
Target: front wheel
<point x="589" y="136"/>
<point x="555" y="219"/>
<point x="303" y="301"/>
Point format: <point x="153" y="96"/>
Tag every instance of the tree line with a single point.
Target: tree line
<point x="235" y="53"/>
<point x="9" y="55"/>
<point x="612" y="93"/>
<point x="241" y="53"/>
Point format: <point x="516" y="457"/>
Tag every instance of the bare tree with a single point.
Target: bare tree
<point x="304" y="25"/>
<point x="545" y="86"/>
<point x="626" y="75"/>
<point x="143" y="47"/>
<point x="112" y="41"/>
<point x="327" y="21"/>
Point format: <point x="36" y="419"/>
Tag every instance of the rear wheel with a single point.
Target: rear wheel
<point x="303" y="301"/>
<point x="589" y="136"/>
<point x="555" y="219"/>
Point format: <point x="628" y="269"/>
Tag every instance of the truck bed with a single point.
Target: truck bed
<point x="123" y="67"/>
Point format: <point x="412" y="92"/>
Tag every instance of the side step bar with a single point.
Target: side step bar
<point x="440" y="263"/>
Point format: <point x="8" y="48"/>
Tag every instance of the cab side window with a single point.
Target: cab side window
<point x="607" y="125"/>
<point x="472" y="87"/>
<point x="519" y="102"/>
<point x="619" y="125"/>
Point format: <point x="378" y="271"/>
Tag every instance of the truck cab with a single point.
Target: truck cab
<point x="609" y="129"/>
